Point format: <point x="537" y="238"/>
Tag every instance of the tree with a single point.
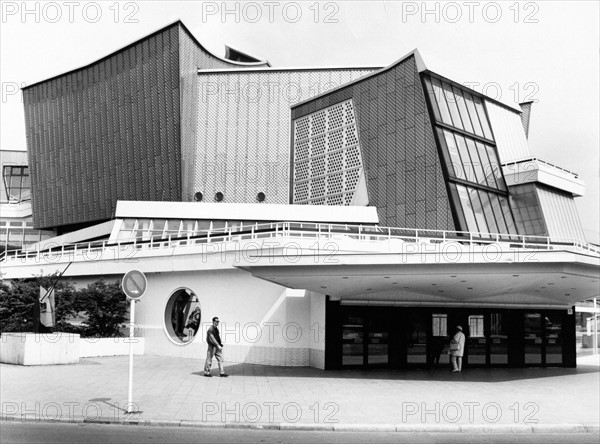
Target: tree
<point x="106" y="308"/>
<point x="18" y="297"/>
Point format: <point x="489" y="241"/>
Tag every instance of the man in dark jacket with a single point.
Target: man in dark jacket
<point x="215" y="348"/>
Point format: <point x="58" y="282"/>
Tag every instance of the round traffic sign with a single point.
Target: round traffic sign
<point x="134" y="284"/>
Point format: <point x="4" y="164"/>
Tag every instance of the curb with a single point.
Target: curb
<point x="395" y="428"/>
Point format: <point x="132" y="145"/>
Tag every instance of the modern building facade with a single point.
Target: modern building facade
<point x="16" y="222"/>
<point x="335" y="217"/>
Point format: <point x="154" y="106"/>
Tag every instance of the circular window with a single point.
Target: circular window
<point x="198" y="196"/>
<point x="183" y="316"/>
<point x="219" y="196"/>
<point x="261" y="197"/>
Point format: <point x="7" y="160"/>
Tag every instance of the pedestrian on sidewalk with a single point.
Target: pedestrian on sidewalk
<point x="215" y="348"/>
<point x="457" y="349"/>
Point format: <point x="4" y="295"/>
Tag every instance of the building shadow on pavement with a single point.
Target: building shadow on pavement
<point x="433" y="374"/>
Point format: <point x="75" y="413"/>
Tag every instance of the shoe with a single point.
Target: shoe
<point x="208" y="375"/>
<point x="224" y="375"/>
<point x="455" y="371"/>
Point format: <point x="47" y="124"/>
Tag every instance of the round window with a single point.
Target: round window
<point x="183" y="316"/>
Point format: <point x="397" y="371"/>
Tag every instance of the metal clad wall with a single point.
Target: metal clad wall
<point x="560" y="214"/>
<point x="243" y="138"/>
<point x="106" y="132"/>
<point x="404" y="175"/>
<point x="509" y="134"/>
<point x="192" y="58"/>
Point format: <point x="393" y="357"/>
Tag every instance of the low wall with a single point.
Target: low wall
<point x="91" y="347"/>
<point x="61" y="348"/>
<point x="39" y="349"/>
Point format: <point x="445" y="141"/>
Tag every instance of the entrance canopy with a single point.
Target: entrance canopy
<point x="553" y="278"/>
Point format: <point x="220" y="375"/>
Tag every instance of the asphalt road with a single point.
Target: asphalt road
<point x="103" y="433"/>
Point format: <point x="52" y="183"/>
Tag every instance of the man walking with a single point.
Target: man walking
<point x="215" y="348"/>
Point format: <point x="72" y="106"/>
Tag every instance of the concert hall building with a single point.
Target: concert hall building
<point x="331" y="217"/>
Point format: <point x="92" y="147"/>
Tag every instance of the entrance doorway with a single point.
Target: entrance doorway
<point x="415" y="337"/>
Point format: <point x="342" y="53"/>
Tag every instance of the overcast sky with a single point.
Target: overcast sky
<point x="542" y="51"/>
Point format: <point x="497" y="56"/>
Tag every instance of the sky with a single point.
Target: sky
<point x="545" y="51"/>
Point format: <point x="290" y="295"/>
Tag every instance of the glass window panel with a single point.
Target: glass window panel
<point x="142" y="229"/>
<point x="498" y="213"/>
<point x="218" y="224"/>
<point x="478" y="211"/>
<point x="203" y="225"/>
<point x="533" y="338"/>
<point x="451" y="101"/>
<point x="554" y="348"/>
<point x="128" y="224"/>
<point x="352" y="340"/>
<point x="498" y="339"/>
<point x="462" y="108"/>
<point x="476" y="339"/>
<point x="467" y="208"/>
<point x="378" y="344"/>
<point x="439" y="324"/>
<point x="432" y="99"/>
<point x="483" y="118"/>
<point x="158" y="227"/>
<point x="188" y="227"/>
<point x="15" y="235"/>
<point x="485" y="164"/>
<point x="457" y="163"/>
<point x="416" y="351"/>
<point x="467" y="161"/>
<point x="477" y="164"/>
<point x="473" y="114"/>
<point x="510" y="223"/>
<point x="495" y="166"/>
<point x="488" y="211"/>
<point x="441" y="100"/>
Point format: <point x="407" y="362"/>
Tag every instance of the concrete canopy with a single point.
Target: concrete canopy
<point x="554" y="279"/>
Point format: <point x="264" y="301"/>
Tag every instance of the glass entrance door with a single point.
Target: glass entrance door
<point x="498" y="339"/>
<point x="532" y="336"/>
<point x="353" y="335"/>
<point x="416" y="335"/>
<point x="477" y="340"/>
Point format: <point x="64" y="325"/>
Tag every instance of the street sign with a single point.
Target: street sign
<point x="134" y="284"/>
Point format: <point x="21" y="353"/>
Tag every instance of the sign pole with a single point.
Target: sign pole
<point x="134" y="285"/>
<point x="131" y="328"/>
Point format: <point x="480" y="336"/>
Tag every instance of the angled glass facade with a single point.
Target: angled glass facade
<point x="467" y="145"/>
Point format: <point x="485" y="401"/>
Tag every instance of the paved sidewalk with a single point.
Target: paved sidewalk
<point x="172" y="391"/>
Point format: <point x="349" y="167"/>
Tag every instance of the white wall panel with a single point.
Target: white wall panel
<point x="508" y="132"/>
<point x="560" y="214"/>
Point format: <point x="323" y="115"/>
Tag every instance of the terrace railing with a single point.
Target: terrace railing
<point x="296" y="230"/>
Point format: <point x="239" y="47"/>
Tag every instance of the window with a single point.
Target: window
<point x="476" y="326"/>
<point x="183" y="316"/>
<point x="17" y="183"/>
<point x="439" y="324"/>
